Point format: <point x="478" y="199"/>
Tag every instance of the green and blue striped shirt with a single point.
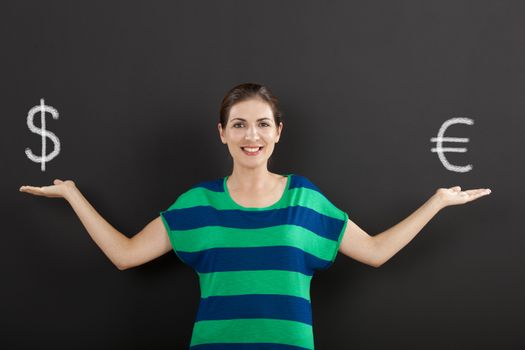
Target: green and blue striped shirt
<point x="254" y="265"/>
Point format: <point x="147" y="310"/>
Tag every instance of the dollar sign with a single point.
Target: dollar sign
<point x="42" y="108"/>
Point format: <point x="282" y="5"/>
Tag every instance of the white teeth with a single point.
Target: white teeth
<point x="251" y="149"/>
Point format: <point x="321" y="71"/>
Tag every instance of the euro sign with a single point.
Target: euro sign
<point x="440" y="150"/>
<point x="42" y="108"/>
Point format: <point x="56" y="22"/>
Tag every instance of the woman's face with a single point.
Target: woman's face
<point x="250" y="133"/>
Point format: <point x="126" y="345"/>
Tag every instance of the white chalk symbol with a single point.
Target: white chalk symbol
<point x="42" y="108"/>
<point x="440" y="150"/>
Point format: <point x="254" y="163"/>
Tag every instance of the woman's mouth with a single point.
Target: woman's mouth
<point x="252" y="151"/>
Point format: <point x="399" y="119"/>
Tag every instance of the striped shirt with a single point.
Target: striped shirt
<point x="254" y="264"/>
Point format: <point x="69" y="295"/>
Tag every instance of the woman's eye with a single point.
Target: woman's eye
<point x="238" y="125"/>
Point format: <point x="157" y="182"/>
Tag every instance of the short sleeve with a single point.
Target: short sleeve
<point x="335" y="229"/>
<point x="182" y="218"/>
<point x="169" y="219"/>
<point x="329" y="221"/>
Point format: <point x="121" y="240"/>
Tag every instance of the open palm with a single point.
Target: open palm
<point x="58" y="190"/>
<point x="454" y="195"/>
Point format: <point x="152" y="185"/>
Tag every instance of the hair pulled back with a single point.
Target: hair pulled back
<point x="245" y="92"/>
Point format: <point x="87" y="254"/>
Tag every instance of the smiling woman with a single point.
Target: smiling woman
<point x="255" y="238"/>
<point x="250" y="124"/>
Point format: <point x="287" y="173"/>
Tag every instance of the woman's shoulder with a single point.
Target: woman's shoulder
<point x="216" y="185"/>
<point x="199" y="194"/>
<point x="300" y="181"/>
<point x="313" y="198"/>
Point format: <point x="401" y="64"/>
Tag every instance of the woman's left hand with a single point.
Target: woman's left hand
<point x="454" y="195"/>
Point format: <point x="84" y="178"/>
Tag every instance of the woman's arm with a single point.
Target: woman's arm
<point x="378" y="249"/>
<point x="123" y="252"/>
<point x="113" y="243"/>
<point x="391" y="241"/>
<point x="148" y="244"/>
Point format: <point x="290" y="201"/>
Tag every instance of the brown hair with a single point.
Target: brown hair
<point x="245" y="92"/>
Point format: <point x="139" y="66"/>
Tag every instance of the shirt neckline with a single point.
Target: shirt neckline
<point x="272" y="206"/>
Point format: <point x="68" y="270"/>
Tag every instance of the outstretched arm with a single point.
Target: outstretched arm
<point x="151" y="242"/>
<point x="378" y="249"/>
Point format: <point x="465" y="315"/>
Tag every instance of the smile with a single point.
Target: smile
<point x="252" y="151"/>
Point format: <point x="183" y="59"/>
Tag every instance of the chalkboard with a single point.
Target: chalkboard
<point x="364" y="88"/>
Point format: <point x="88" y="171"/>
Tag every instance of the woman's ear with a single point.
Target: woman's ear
<point x="221" y="133"/>
<point x="279" y="131"/>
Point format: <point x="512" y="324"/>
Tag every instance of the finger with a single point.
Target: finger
<point x="31" y="189"/>
<point x="25" y="188"/>
<point x="478" y="191"/>
<point x="475" y="194"/>
<point x="456" y="188"/>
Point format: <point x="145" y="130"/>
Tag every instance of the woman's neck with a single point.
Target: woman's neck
<point x="246" y="179"/>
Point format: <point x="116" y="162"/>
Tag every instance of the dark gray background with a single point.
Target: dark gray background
<point x="363" y="86"/>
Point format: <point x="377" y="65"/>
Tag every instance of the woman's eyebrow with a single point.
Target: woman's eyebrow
<point x="257" y="119"/>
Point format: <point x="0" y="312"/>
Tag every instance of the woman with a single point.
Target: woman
<point x="255" y="238"/>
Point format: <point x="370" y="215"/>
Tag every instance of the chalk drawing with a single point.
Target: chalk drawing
<point x="440" y="150"/>
<point x="42" y="108"/>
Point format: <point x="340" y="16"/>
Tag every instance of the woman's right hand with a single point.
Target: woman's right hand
<point x="151" y="242"/>
<point x="58" y="190"/>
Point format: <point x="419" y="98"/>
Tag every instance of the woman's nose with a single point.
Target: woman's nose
<point x="251" y="133"/>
